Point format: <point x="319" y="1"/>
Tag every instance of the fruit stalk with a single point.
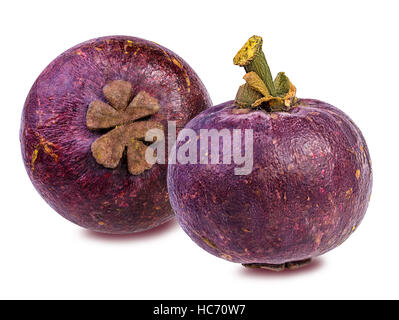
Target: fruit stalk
<point x="252" y="58"/>
<point x="260" y="90"/>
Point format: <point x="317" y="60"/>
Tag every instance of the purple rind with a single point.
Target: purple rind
<point x="308" y="191"/>
<point x="56" y="143"/>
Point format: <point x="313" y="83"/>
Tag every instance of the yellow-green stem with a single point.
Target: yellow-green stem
<point x="252" y="58"/>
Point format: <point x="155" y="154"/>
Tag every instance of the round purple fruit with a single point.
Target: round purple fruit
<point x="295" y="183"/>
<point x="84" y="125"/>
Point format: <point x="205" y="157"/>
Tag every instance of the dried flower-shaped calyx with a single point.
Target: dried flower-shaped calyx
<point x="128" y="133"/>
<point x="260" y="89"/>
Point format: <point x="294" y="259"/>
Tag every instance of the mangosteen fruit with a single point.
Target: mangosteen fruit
<point x="84" y="124"/>
<point x="304" y="190"/>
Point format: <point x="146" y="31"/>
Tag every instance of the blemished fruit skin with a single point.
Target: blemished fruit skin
<point x="308" y="191"/>
<point x="56" y="143"/>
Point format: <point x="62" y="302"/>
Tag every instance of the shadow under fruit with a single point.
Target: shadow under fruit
<point x="310" y="183"/>
<point x="83" y="128"/>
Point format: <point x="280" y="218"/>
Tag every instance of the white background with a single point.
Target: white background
<point x="343" y="52"/>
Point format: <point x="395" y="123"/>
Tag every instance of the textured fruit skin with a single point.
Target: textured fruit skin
<point x="56" y="142"/>
<point x="308" y="190"/>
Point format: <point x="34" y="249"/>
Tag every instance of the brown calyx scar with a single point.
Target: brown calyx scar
<point x="121" y="114"/>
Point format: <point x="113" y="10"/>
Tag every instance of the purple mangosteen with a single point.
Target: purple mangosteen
<point x="84" y="124"/>
<point x="308" y="186"/>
